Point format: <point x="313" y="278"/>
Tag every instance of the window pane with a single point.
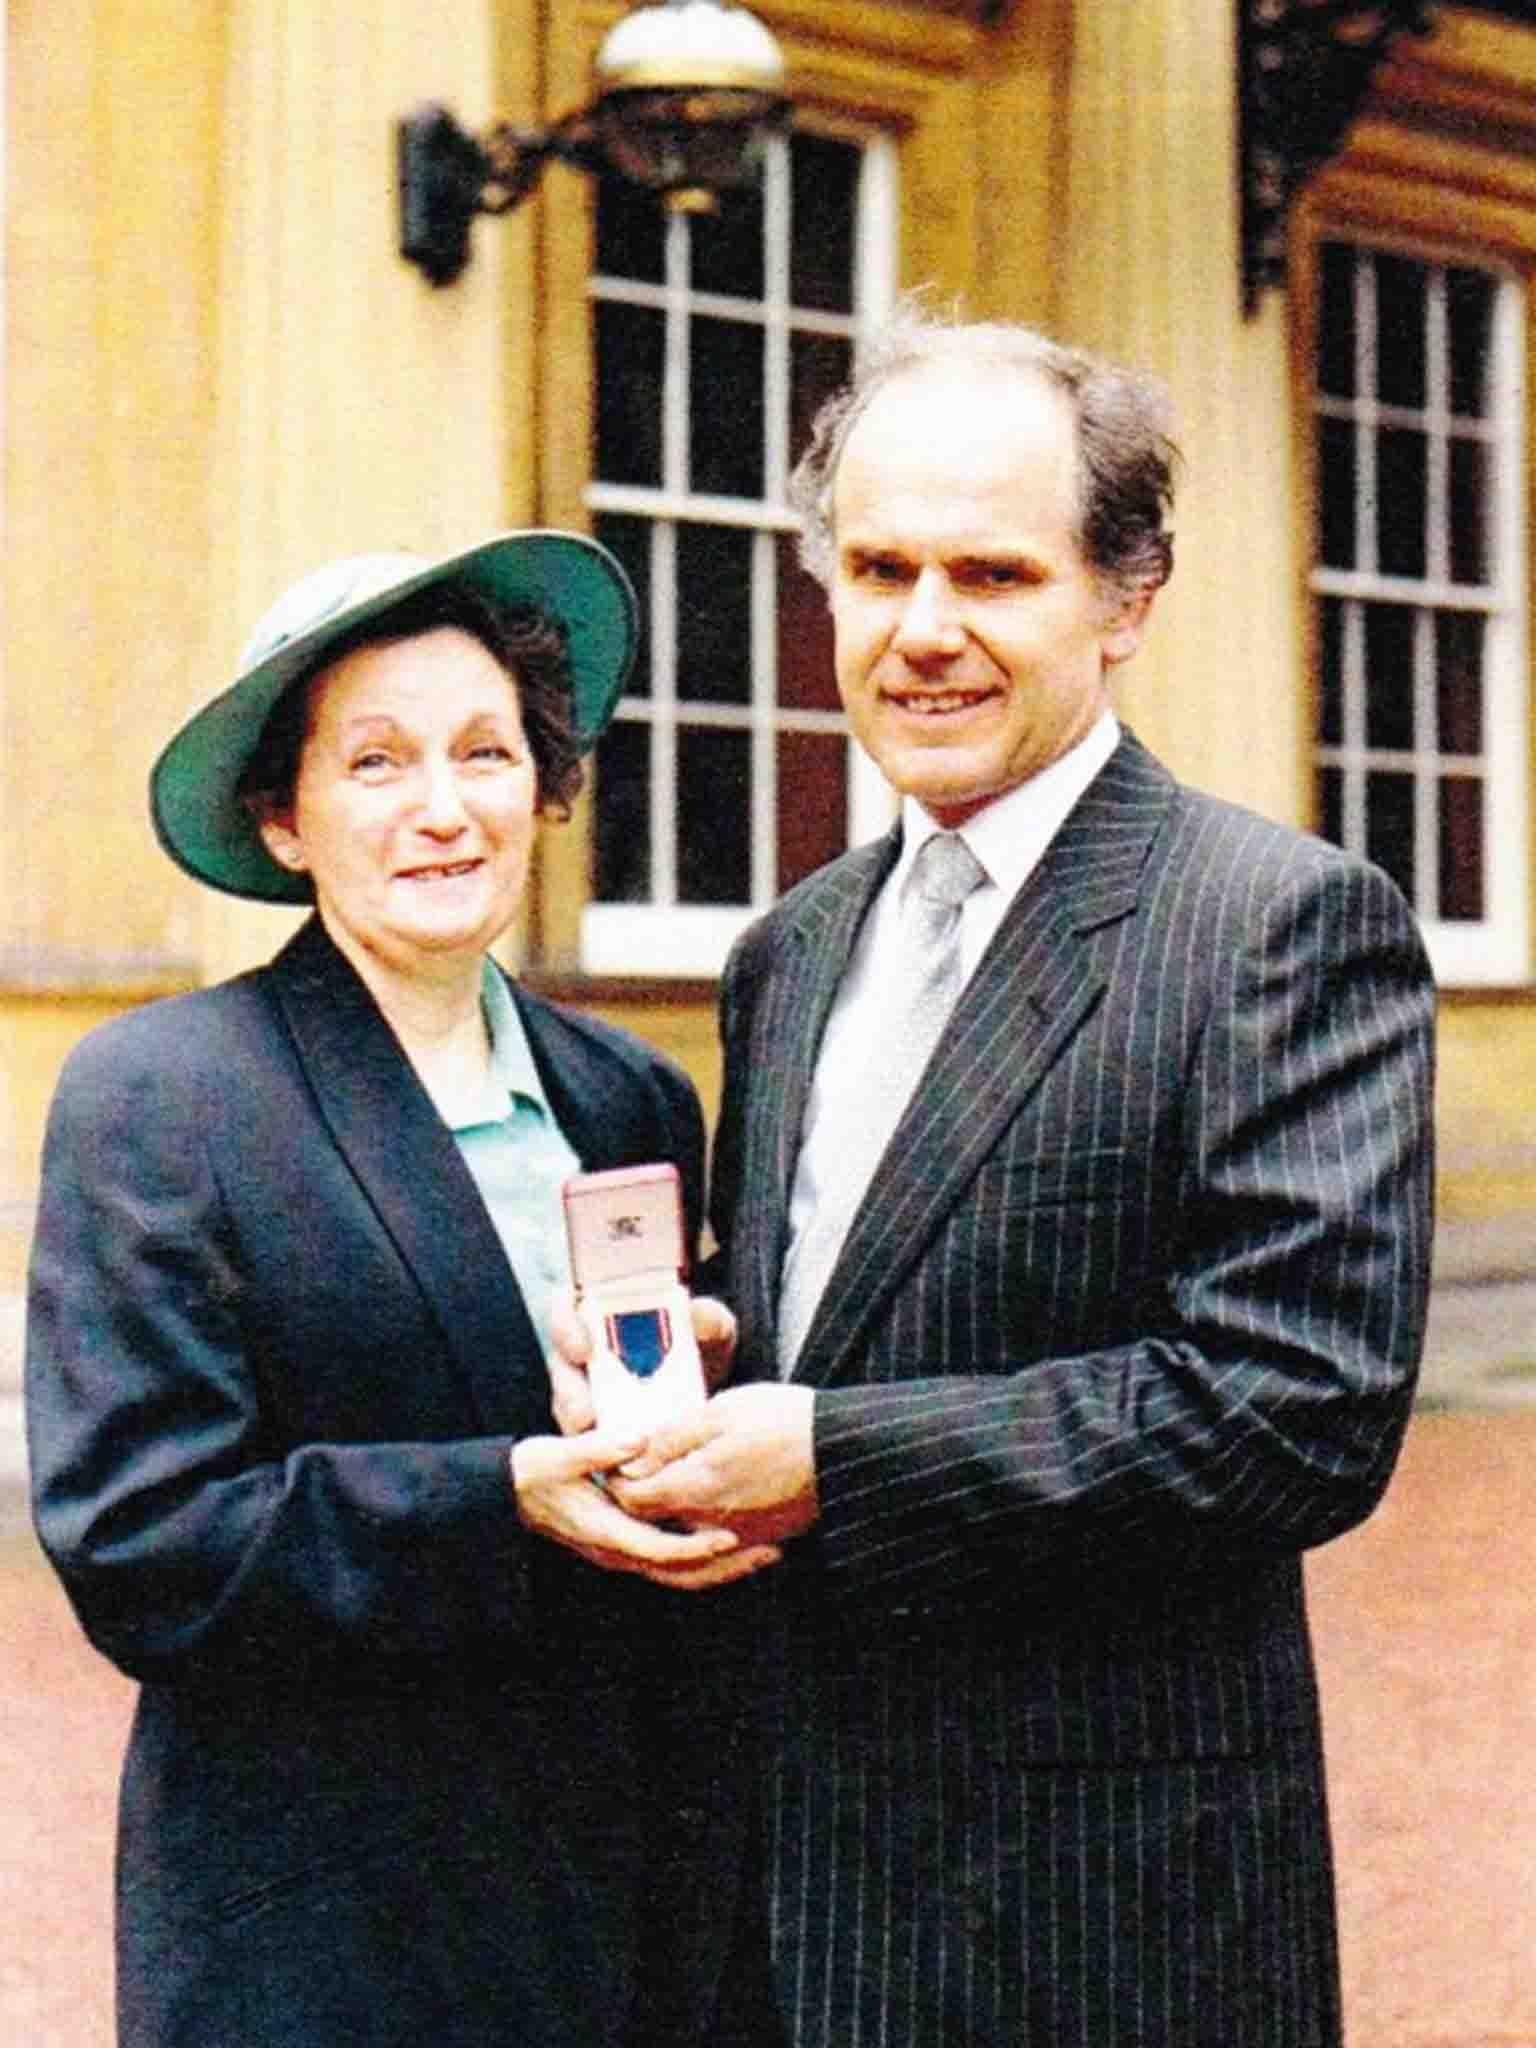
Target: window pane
<point x="1388" y="675"/>
<point x="813" y="802"/>
<point x="1336" y="322"/>
<point x="630" y="342"/>
<point x="714" y="820"/>
<point x="806" y="679"/>
<point x="1469" y="512"/>
<point x="714" y="614"/>
<point x="630" y="540"/>
<point x="1469" y="298"/>
<point x="1330" y="805"/>
<point x="1400" y="484"/>
<point x="1459" y="681"/>
<point x="1389" y="826"/>
<point x="1400" y="334"/>
<point x="631" y="232"/>
<point x="1336" y="484"/>
<point x="1461" y="848"/>
<point x="824" y="181"/>
<point x="725" y="383"/>
<point x="726" y="248"/>
<point x="819" y="364"/>
<point x="622" y="781"/>
<point x="1330" y="643"/>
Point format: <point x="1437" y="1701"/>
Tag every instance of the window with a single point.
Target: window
<point x="726" y="774"/>
<point x="1418" y="587"/>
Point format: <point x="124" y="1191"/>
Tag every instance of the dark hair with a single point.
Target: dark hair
<point x="1126" y="459"/>
<point x="525" y="641"/>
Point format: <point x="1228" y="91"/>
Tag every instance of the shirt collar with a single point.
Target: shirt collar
<point x="513" y="1074"/>
<point x="1010" y="835"/>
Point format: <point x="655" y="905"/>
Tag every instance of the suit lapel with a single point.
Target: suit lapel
<point x="1038" y="982"/>
<point x="411" y="1172"/>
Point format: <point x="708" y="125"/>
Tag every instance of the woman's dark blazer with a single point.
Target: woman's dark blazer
<point x="388" y="1776"/>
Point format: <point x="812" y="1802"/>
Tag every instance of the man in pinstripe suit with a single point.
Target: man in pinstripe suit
<point x="1124" y="1318"/>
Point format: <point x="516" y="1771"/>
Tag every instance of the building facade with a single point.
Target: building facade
<point x="218" y="371"/>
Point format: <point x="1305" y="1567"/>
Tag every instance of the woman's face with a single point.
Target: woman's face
<point x="414" y="805"/>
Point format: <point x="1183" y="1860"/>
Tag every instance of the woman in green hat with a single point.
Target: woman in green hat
<point x="400" y="1770"/>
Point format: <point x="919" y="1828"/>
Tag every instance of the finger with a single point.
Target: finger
<point x="713" y="1322"/>
<point x="650" y="1487"/>
<point x="595" y="1519"/>
<point x="568" y="1328"/>
<point x="551" y="1460"/>
<point x="570" y="1394"/>
<point x="670" y="1444"/>
<point x="721" y="1571"/>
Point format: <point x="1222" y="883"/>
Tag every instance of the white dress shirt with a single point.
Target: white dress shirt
<point x="1009" y="838"/>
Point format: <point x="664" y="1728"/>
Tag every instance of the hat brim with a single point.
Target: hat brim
<point x="195" y="805"/>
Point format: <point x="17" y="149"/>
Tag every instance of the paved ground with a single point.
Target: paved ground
<point x="1426" y="1630"/>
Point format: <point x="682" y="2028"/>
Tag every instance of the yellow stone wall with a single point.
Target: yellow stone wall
<point x="217" y="372"/>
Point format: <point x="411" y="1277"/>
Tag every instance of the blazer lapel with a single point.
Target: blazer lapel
<point x="413" y="1175"/>
<point x="1038" y="982"/>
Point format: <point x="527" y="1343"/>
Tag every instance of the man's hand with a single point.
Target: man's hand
<point x="558" y="1482"/>
<point x="714" y="1329"/>
<point x="745" y="1462"/>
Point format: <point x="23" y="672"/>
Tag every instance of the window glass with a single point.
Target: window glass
<point x="1336" y="492"/>
<point x="630" y="540"/>
<point x="1389" y="676"/>
<point x="1467" y="513"/>
<point x="1331" y="671"/>
<point x="1419" y="580"/>
<point x="621" y="780"/>
<point x="1459" y="681"/>
<point x="714" y="614"/>
<point x="824" y="176"/>
<point x="1401" y="474"/>
<point x="1401" y="293"/>
<point x="1336" y="326"/>
<point x="1389" y="826"/>
<point x="1470" y="300"/>
<point x="725" y="775"/>
<point x="727" y="247"/>
<point x="725" y="383"/>
<point x="813" y="802"/>
<point x="1462" y="859"/>
<point x="631" y="354"/>
<point x="630" y="232"/>
<point x="714" y="818"/>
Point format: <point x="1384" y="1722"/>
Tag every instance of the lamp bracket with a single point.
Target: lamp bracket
<point x="448" y="176"/>
<point x="1304" y="69"/>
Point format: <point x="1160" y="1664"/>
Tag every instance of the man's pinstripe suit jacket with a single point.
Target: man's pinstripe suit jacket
<point x="1129" y="1318"/>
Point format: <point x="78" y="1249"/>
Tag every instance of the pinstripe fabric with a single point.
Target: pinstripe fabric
<point x="1129" y="1318"/>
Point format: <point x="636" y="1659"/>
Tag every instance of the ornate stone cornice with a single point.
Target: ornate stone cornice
<point x="1304" y="68"/>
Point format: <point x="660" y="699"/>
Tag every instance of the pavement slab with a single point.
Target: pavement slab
<point x="1425" y="1621"/>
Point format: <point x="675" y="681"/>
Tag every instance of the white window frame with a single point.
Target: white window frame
<point x="1494" y="949"/>
<point x="663" y="937"/>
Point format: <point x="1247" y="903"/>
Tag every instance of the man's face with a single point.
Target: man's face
<point x="972" y="638"/>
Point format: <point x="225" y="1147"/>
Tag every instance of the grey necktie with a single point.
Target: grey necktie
<point x="944" y="873"/>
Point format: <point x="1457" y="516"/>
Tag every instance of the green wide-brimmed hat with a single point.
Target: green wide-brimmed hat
<point x="194" y="786"/>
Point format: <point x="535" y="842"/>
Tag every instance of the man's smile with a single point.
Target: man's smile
<point x="938" y="703"/>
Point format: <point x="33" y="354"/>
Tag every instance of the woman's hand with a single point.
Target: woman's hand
<point x="714" y="1329"/>
<point x="558" y="1483"/>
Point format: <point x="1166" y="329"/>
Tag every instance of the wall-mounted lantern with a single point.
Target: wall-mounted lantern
<point x="1305" y="67"/>
<point x="686" y="91"/>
